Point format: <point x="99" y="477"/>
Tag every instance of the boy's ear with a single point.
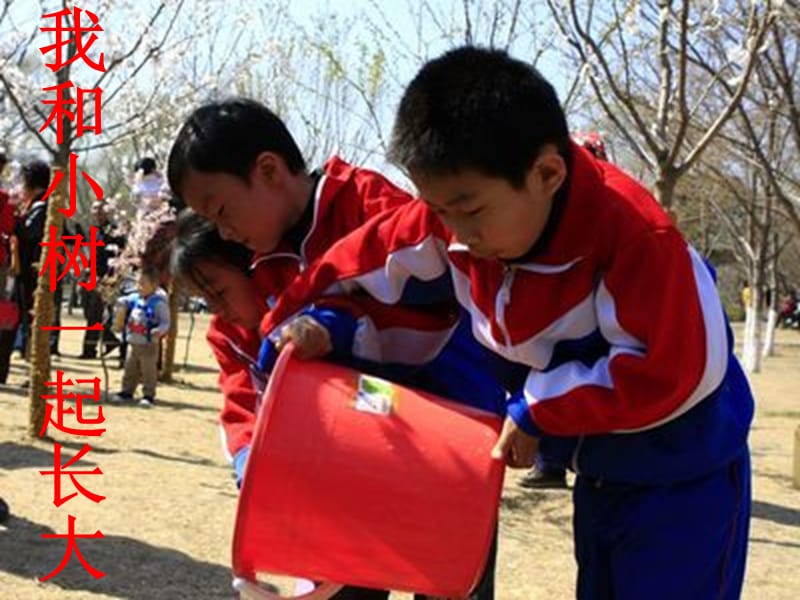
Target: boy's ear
<point x="267" y="167"/>
<point x="551" y="167"/>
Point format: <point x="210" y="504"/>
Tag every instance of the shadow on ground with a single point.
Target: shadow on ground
<point x="15" y="455"/>
<point x="182" y="383"/>
<point x="13" y="390"/>
<point x="183" y="405"/>
<point x="782" y="515"/>
<point x="134" y="569"/>
<point x="190" y="368"/>
<point x="187" y="459"/>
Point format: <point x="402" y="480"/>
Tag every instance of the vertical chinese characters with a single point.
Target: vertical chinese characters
<point x="73" y="32"/>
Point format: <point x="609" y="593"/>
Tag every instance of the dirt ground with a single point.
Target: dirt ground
<point x="170" y="498"/>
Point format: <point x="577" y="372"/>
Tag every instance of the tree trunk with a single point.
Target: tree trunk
<point x="665" y="191"/>
<point x="769" y="330"/>
<point x="751" y="357"/>
<point x="772" y="308"/>
<point x="188" y="337"/>
<point x="753" y="331"/>
<point x="751" y="345"/>
<point x="748" y="338"/>
<point x="42" y="317"/>
<point x="168" y="362"/>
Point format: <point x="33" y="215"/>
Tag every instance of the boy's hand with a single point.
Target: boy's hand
<point x="311" y="339"/>
<point x="515" y="446"/>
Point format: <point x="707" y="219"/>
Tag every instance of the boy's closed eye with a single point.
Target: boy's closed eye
<point x="471" y="212"/>
<point x="461" y="211"/>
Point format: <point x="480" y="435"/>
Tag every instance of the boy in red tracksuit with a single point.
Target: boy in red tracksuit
<point x="568" y="266"/>
<point x="236" y="164"/>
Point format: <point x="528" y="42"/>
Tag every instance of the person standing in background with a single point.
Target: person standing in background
<point x="94" y="308"/>
<point x="9" y="323"/>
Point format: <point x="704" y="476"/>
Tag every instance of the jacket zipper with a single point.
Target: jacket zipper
<point x="501" y="301"/>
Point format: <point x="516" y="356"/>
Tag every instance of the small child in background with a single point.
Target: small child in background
<point x="143" y="317"/>
<point x="147" y="188"/>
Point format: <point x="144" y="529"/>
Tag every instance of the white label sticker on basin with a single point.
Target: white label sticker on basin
<point x="374" y="395"/>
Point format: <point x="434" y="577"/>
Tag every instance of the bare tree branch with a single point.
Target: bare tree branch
<point x="21" y="110"/>
<point x="6" y="6"/>
<point x="787" y="81"/>
<point x="754" y="43"/>
<point x="623" y="46"/>
<point x="684" y="120"/>
<point x="622" y="98"/>
<point x="150" y="53"/>
<point x="665" y="71"/>
<point x="467" y="22"/>
<point x="125" y="56"/>
<point x="512" y="26"/>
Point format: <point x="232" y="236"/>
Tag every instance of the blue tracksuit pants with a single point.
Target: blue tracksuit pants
<point x="686" y="540"/>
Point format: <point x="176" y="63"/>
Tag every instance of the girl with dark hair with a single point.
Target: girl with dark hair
<point x="219" y="271"/>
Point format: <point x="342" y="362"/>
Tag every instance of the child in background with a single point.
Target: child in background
<point x="143" y="316"/>
<point x="10" y="306"/>
<point x="147" y="187"/>
<point x="567" y="265"/>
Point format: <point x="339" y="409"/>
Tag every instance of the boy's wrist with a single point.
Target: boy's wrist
<point x="267" y="356"/>
<point x="340" y="325"/>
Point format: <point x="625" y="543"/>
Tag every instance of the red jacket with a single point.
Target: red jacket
<point x="344" y="198"/>
<point x="615" y="317"/>
<point x="6" y="225"/>
<point x="615" y="268"/>
<point x="236" y="351"/>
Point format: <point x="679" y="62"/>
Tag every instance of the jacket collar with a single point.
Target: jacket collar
<point x="336" y="173"/>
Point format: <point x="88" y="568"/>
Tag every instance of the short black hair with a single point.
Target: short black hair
<point x="3" y="159"/>
<point x="151" y="273"/>
<point x="35" y="174"/>
<point x="227" y="137"/>
<point x="146" y="165"/>
<point x="197" y="240"/>
<point x="477" y="108"/>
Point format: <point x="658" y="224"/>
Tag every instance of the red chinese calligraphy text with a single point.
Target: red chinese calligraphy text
<point x="60" y="471"/>
<point x="72" y="547"/>
<point x="55" y="414"/>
